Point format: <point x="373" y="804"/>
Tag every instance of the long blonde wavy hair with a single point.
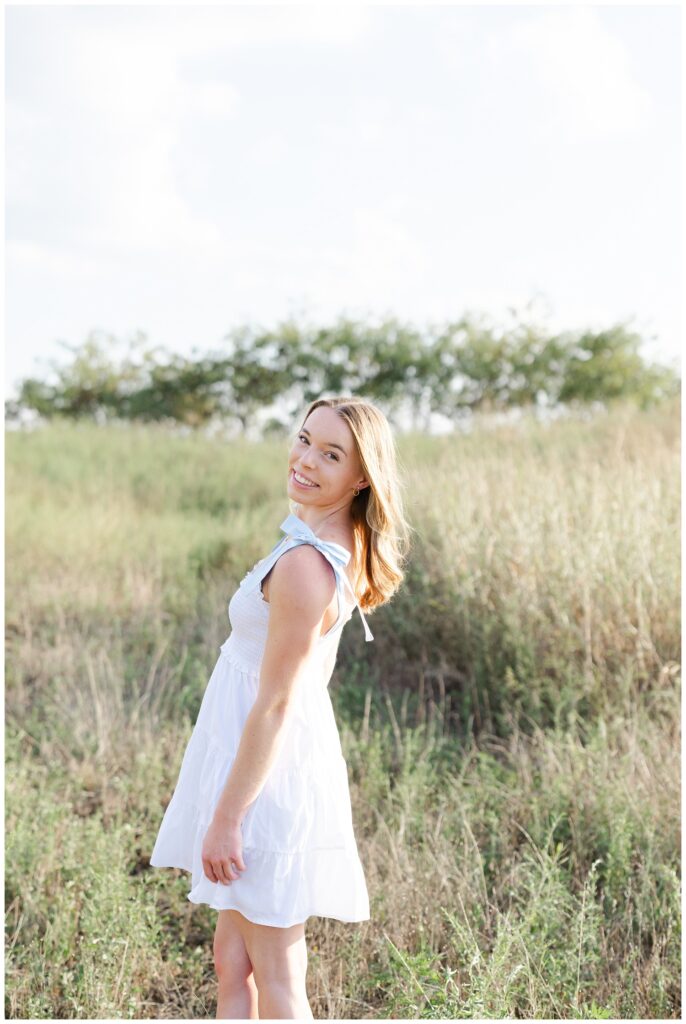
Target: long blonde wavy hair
<point x="382" y="534"/>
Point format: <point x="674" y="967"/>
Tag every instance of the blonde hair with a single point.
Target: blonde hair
<point x="382" y="534"/>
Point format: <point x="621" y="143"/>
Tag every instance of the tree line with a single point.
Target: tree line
<point x="455" y="369"/>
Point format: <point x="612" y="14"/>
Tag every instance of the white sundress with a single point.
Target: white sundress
<point x="299" y="845"/>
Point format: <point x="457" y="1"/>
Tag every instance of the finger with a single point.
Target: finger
<point x="236" y="858"/>
<point x="222" y="872"/>
<point x="209" y="870"/>
<point x="233" y="868"/>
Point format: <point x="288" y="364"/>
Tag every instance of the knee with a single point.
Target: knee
<point x="279" y="976"/>
<point x="232" y="967"/>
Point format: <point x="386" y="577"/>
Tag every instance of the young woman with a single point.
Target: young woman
<point x="261" y="813"/>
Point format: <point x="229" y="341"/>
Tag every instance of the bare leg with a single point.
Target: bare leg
<point x="279" y="960"/>
<point x="236" y="988"/>
<point x="284" y="1002"/>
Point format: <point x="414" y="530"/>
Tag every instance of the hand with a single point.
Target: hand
<point x="222" y="848"/>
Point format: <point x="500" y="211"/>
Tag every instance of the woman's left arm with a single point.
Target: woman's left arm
<point x="301" y="588"/>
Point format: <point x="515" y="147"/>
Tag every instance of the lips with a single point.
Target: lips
<point x="312" y="484"/>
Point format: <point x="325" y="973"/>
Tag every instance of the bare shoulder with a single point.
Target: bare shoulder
<point x="302" y="577"/>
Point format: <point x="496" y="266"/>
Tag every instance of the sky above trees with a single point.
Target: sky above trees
<point x="181" y="170"/>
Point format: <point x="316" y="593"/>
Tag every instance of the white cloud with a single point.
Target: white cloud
<point x="384" y="256"/>
<point x="116" y="173"/>
<point x="58" y="261"/>
<point x="214" y="100"/>
<point x="585" y="84"/>
<point x="337" y="24"/>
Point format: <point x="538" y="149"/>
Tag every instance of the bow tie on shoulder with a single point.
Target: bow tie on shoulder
<point x="293" y="526"/>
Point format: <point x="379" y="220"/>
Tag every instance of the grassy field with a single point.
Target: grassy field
<point x="512" y="734"/>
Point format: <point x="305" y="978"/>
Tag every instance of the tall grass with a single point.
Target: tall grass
<point x="512" y="734"/>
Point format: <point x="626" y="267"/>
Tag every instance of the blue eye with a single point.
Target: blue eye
<point x="302" y="436"/>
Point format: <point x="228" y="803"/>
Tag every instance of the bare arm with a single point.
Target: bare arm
<point x="300" y="589"/>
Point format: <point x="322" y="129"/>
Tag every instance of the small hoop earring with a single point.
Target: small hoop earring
<point x="356" y="492"/>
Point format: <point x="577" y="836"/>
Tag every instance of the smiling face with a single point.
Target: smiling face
<point x="325" y="454"/>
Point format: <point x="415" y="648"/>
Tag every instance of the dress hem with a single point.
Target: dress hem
<point x="254" y="920"/>
<point x="272" y="924"/>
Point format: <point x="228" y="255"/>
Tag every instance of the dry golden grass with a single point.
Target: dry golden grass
<point x="513" y="736"/>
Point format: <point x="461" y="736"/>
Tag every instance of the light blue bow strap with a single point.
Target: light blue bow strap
<point x="295" y="529"/>
<point x="368" y="635"/>
<point x="293" y="526"/>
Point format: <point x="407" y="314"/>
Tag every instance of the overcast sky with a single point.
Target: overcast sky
<point x="179" y="171"/>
